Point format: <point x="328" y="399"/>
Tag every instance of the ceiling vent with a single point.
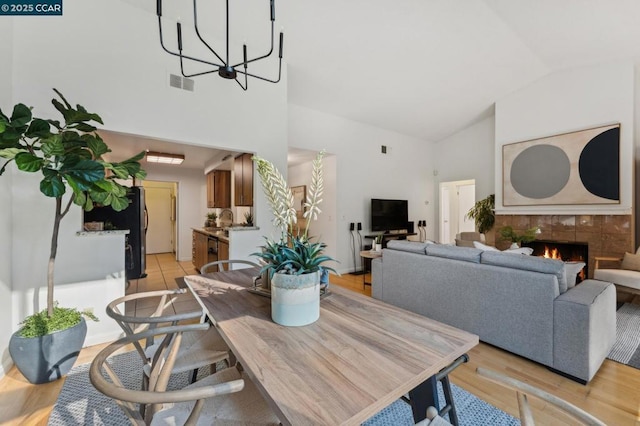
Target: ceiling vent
<point x="180" y="82"/>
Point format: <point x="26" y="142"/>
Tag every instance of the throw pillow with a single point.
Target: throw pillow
<point x="571" y="270"/>
<point x="631" y="262"/>
<point x="479" y="245"/>
<point x="519" y="250"/>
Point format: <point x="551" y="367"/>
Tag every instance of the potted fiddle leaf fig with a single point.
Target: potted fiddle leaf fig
<point x="68" y="155"/>
<point x="293" y="262"/>
<point x="483" y="213"/>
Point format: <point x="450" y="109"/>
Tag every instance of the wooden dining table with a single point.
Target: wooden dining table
<point x="359" y="357"/>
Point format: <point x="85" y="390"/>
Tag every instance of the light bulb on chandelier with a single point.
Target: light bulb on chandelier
<point x="224" y="69"/>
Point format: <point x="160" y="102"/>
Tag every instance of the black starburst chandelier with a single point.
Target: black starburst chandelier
<point x="225" y="68"/>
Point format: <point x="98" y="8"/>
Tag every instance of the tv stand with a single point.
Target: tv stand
<point x="388" y="236"/>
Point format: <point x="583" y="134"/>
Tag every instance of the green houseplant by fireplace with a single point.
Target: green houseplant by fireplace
<point x="68" y="155"/>
<point x="293" y="261"/>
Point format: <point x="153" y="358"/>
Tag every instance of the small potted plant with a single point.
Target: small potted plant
<point x="248" y="218"/>
<point x="507" y="233"/>
<point x="293" y="261"/>
<point x="212" y="217"/>
<point x="377" y="243"/>
<point x="69" y="156"/>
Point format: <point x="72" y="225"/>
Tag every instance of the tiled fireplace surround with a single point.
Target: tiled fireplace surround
<point x="607" y="235"/>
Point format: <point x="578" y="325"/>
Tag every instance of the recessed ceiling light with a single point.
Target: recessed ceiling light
<point x="164" y="158"/>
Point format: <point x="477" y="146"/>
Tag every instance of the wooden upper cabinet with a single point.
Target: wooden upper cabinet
<point x="243" y="180"/>
<point x="219" y="189"/>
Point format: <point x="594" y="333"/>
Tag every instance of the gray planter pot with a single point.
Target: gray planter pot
<point x="47" y="358"/>
<point x="295" y="299"/>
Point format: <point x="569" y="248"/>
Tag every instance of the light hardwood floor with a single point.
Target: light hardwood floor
<point x="613" y="395"/>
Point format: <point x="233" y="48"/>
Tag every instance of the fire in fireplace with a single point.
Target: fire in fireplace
<point x="563" y="250"/>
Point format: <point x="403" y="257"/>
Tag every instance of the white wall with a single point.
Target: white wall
<point x="567" y="101"/>
<point x="468" y="154"/>
<point x="6" y="103"/>
<point x="362" y="172"/>
<point x="114" y="66"/>
<point x="323" y="229"/>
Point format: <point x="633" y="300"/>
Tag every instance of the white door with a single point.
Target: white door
<point x="445" y="219"/>
<point x="160" y="210"/>
<point x="466" y="200"/>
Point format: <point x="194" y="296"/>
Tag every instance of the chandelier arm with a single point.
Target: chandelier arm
<point x="196" y="74"/>
<point x="195" y="25"/>
<point x="263" y="56"/>
<point x="202" y="61"/>
<point x="263" y="78"/>
<point x="246" y="86"/>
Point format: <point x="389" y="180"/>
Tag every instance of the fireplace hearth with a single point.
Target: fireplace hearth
<point x="568" y="251"/>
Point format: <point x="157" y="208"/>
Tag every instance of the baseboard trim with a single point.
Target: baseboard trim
<point x="5" y="366"/>
<point x="102" y="338"/>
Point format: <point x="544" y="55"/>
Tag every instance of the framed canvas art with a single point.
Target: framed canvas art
<point x="580" y="167"/>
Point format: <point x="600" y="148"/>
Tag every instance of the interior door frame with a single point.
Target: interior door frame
<point x="450" y="221"/>
<point x="175" y="212"/>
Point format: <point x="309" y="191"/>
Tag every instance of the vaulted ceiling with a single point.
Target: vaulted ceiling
<point x="428" y="68"/>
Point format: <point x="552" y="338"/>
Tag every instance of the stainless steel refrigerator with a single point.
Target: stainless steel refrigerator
<point x="135" y="219"/>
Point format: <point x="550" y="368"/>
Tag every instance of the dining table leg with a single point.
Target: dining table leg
<point x="424" y="396"/>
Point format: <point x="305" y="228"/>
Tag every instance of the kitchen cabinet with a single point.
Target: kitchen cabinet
<point x="200" y="250"/>
<point x="243" y="180"/>
<point x="219" y="189"/>
<point x="223" y="251"/>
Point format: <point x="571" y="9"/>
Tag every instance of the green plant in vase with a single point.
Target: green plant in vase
<point x="483" y="213"/>
<point x="248" y="218"/>
<point x="507" y="233"/>
<point x="68" y="154"/>
<point x="293" y="255"/>
<point x="211" y="219"/>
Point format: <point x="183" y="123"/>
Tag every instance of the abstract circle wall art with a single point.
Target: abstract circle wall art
<point x="580" y="167"/>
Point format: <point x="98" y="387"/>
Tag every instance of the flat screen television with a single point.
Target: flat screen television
<point x="389" y="215"/>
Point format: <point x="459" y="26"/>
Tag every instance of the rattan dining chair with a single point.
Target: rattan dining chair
<point x="220" y="264"/>
<point x="205" y="348"/>
<point x="226" y="397"/>
<point x="524" y="391"/>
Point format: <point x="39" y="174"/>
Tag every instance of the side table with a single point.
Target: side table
<point x="367" y="254"/>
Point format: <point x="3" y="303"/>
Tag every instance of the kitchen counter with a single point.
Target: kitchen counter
<point x="106" y="232"/>
<point x="223" y="233"/>
<point x="218" y="233"/>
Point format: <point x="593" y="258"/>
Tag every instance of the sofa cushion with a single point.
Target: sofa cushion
<point x="621" y="277"/>
<point x="410" y="246"/>
<point x="631" y="262"/>
<point x="467" y="254"/>
<point x="528" y="263"/>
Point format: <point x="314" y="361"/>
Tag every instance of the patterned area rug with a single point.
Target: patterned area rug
<point x="80" y="404"/>
<point x="626" y="350"/>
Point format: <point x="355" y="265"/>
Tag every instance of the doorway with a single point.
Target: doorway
<point x="456" y="199"/>
<point x="160" y="200"/>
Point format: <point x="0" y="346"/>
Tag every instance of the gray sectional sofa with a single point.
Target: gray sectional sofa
<point x="519" y="303"/>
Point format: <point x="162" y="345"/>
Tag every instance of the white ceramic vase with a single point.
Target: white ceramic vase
<point x="295" y="299"/>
